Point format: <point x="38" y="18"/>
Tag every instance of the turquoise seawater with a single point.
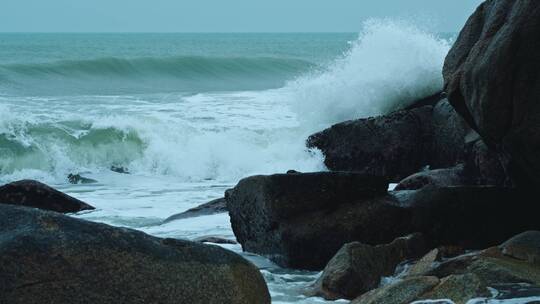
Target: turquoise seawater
<point x="52" y="64"/>
<point x="190" y="114"/>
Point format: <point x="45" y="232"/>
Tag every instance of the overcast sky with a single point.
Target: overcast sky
<point x="225" y="15"/>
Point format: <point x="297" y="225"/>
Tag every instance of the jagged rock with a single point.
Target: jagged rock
<point x="402" y="292"/>
<point x="525" y="246"/>
<point x="394" y="145"/>
<point x="47" y="257"/>
<point x="438" y="178"/>
<point x="425" y="264"/>
<point x="216" y="206"/>
<point x="34" y="194"/>
<point x="358" y="268"/>
<point x="302" y="220"/>
<point x="492" y="79"/>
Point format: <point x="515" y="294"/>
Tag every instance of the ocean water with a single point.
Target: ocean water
<point x="190" y="114"/>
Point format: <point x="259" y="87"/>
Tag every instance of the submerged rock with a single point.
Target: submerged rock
<point x="358" y="268"/>
<point x="213" y="207"/>
<point x="119" y="169"/>
<point x="492" y="77"/>
<point x="394" y="145"/>
<point x="78" y="179"/>
<point x="50" y="258"/>
<point x="302" y="220"/>
<point x="34" y="194"/>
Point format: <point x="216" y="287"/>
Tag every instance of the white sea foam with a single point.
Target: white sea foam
<point x="392" y="63"/>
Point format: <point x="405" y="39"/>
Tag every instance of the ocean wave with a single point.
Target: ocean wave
<point x="391" y="64"/>
<point x="222" y="136"/>
<point x="193" y="73"/>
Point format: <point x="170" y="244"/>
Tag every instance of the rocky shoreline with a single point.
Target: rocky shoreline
<point x="461" y="223"/>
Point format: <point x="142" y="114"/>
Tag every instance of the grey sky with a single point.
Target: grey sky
<point x="224" y="15"/>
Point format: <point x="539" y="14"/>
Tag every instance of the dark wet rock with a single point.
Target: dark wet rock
<point x="302" y="220"/>
<point x="450" y="136"/>
<point x="214" y="240"/>
<point x="213" y="207"/>
<point x="47" y="257"/>
<point x="398" y="144"/>
<point x="469" y="217"/>
<point x="394" y="145"/>
<point x="34" y="194"/>
<point x="483" y="166"/>
<point x="439" y="178"/>
<point x="293" y="172"/>
<point x="78" y="179"/>
<point x="492" y="79"/>
<point x="119" y="169"/>
<point x="358" y="268"/>
<point x="525" y="246"/>
<point x="431" y="100"/>
<point x="402" y="292"/>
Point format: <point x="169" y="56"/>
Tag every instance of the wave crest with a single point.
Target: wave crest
<point x="390" y="65"/>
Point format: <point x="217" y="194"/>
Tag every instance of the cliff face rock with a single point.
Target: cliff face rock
<point x="47" y="257"/>
<point x="492" y="77"/>
<point x="34" y="194"/>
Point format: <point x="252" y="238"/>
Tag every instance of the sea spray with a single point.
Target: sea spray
<point x="221" y="136"/>
<point x="390" y="65"/>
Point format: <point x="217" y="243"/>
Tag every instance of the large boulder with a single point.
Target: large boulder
<point x="358" y="268"/>
<point x="394" y="145"/>
<point x="525" y="246"/>
<point x="47" y="257"/>
<point x="398" y="144"/>
<point x="34" y="194"/>
<point x="302" y="220"/>
<point x="492" y="77"/>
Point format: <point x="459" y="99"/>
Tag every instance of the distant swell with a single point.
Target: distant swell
<point x="166" y="74"/>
